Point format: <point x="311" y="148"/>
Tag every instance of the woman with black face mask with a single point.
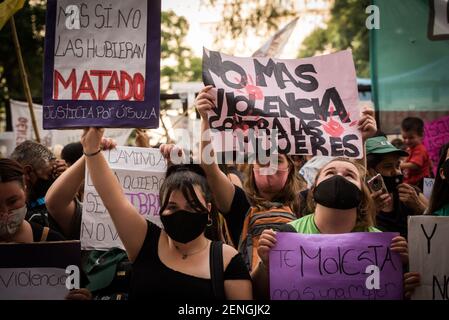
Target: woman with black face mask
<point x="439" y="199"/>
<point x="178" y="261"/>
<point x="342" y="204"/>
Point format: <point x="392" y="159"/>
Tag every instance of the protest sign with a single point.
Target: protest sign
<point x="102" y="63"/>
<point x="428" y="237"/>
<point x="37" y="271"/>
<point x="303" y="106"/>
<point x="23" y="130"/>
<point x="335" y="267"/>
<point x="428" y="186"/>
<point x="140" y="172"/>
<point x="436" y="134"/>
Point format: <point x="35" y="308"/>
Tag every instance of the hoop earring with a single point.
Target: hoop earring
<point x="209" y="222"/>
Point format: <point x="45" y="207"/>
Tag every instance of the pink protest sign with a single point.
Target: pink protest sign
<point x="436" y="133"/>
<point x="295" y="106"/>
<point x="350" y="266"/>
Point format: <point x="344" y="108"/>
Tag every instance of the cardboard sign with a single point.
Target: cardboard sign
<point x="303" y="106"/>
<point x="102" y="64"/>
<point x="23" y="128"/>
<point x="428" y="237"/>
<point x="140" y="172"/>
<point x="37" y="271"/>
<point x="335" y="267"/>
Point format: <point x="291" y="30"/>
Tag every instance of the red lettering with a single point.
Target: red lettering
<point x="59" y="79"/>
<point x="124" y="78"/>
<point x="100" y="74"/>
<point x="86" y="87"/>
<point x="139" y="87"/>
<point x="113" y="85"/>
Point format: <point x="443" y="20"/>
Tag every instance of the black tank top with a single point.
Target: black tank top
<point x="153" y="279"/>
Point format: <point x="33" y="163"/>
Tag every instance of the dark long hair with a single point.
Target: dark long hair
<point x="184" y="178"/>
<point x="440" y="191"/>
<point x="11" y="170"/>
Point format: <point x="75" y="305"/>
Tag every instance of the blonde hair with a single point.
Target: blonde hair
<point x="288" y="196"/>
<point x="366" y="212"/>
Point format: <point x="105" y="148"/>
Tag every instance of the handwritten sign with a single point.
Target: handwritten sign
<point x="436" y="134"/>
<point x="429" y="255"/>
<point x="23" y="129"/>
<point x="428" y="186"/>
<point x="304" y="106"/>
<point x="37" y="271"/>
<point x="102" y="63"/>
<point x="334" y="267"/>
<point x="140" y="172"/>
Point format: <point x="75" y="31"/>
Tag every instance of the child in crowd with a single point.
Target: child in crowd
<point x="417" y="165"/>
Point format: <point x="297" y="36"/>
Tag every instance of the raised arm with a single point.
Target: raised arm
<point x="130" y="225"/>
<point x="60" y="198"/>
<point x="222" y="188"/>
<point x="368" y="127"/>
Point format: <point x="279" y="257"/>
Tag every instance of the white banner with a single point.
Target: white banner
<point x="23" y="128"/>
<point x="428" y="238"/>
<point x="140" y="172"/>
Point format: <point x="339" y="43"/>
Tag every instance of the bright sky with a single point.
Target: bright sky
<point x="203" y="20"/>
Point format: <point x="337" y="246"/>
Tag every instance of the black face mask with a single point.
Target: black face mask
<point x="392" y="182"/>
<point x="338" y="193"/>
<point x="40" y="188"/>
<point x="184" y="226"/>
<point x="445" y="167"/>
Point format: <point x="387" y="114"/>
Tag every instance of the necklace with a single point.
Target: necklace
<point x="185" y="255"/>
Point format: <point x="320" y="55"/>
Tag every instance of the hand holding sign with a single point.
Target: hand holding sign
<point x="267" y="241"/>
<point x="205" y="102"/>
<point x="91" y="139"/>
<point x="399" y="245"/>
<point x="367" y="124"/>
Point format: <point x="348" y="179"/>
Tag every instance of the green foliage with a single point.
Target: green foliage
<point x="345" y="29"/>
<point x="259" y="16"/>
<point x="174" y="29"/>
<point x="30" y="25"/>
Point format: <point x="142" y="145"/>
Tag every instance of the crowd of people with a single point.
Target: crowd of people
<point x="219" y="221"/>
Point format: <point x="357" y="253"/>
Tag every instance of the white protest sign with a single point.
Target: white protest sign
<point x="32" y="283"/>
<point x="40" y="270"/>
<point x="428" y="186"/>
<point x="299" y="106"/>
<point x="23" y="128"/>
<point x="428" y="238"/>
<point x="140" y="172"/>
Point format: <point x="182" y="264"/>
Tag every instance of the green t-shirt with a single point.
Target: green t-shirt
<point x="443" y="212"/>
<point x="307" y="225"/>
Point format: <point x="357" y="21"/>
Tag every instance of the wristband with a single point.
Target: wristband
<point x="93" y="153"/>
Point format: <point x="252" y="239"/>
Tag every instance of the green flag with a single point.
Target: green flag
<point x="8" y="8"/>
<point x="410" y="61"/>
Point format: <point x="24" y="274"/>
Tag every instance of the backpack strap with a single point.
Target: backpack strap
<point x="44" y="235"/>
<point x="216" y="269"/>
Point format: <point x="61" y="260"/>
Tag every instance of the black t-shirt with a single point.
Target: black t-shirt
<point x="153" y="279"/>
<point x="38" y="231"/>
<point x="237" y="213"/>
<point x="40" y="215"/>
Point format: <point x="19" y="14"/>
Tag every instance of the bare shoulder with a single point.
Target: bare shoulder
<point x="228" y="253"/>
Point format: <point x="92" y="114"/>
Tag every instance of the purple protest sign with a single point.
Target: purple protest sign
<point x="436" y="133"/>
<point x="102" y="64"/>
<point x="335" y="267"/>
